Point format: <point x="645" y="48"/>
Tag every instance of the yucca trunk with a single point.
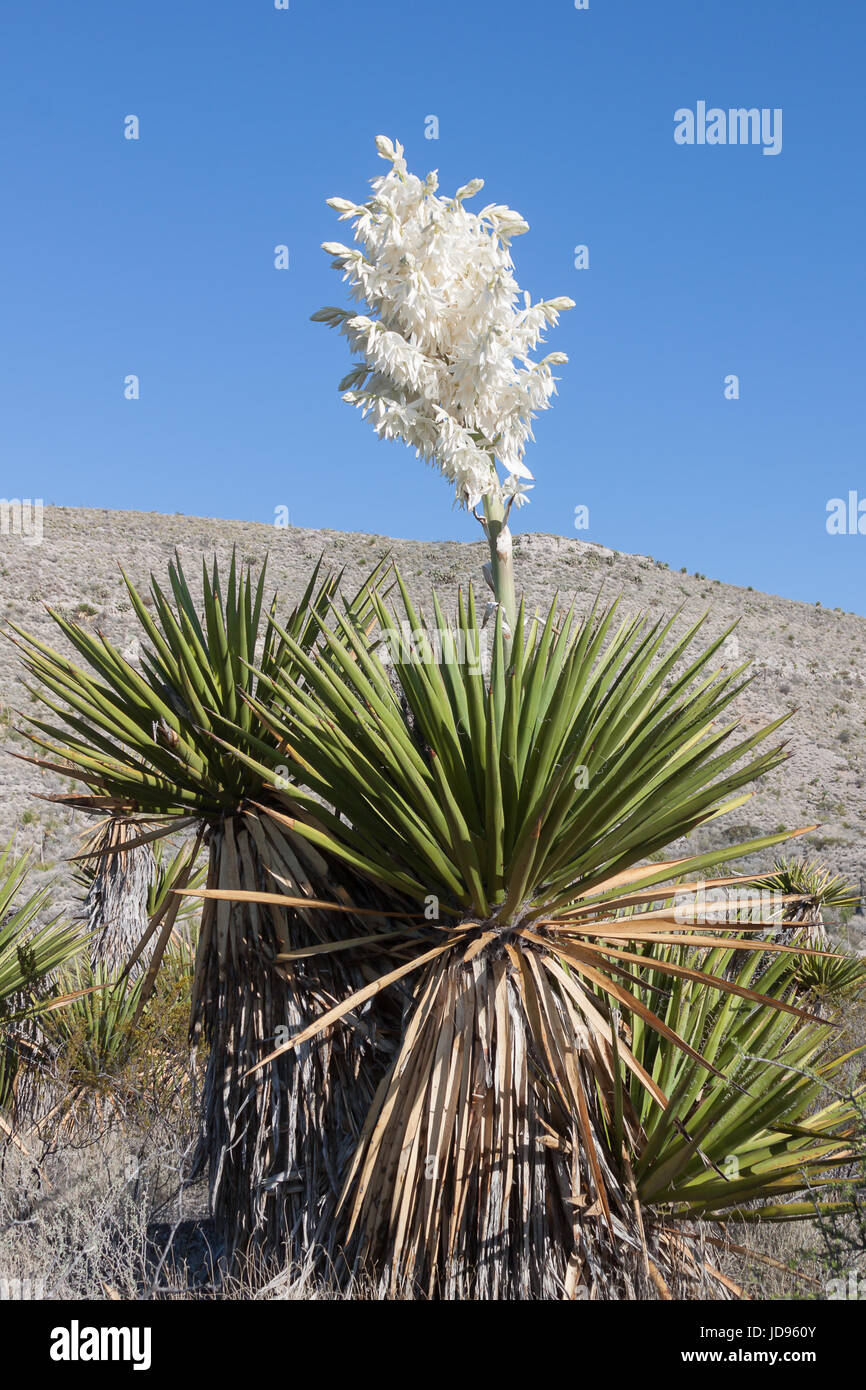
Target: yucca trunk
<point x="486" y="1169"/>
<point x="276" y="1143"/>
<point x="116" y="906"/>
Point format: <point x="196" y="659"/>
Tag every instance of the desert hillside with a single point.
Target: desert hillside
<point x="804" y="658"/>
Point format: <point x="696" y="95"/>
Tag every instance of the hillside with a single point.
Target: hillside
<point x="805" y="658"/>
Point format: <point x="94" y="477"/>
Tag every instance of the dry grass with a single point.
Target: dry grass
<point x="109" y="1214"/>
<point x="82" y="1217"/>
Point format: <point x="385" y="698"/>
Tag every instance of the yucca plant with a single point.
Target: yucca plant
<point x="29" y="952"/>
<point x="144" y="741"/>
<point x="808" y="890"/>
<point x="30" y="955"/>
<point x="517" y="811"/>
<point x="108" y="1046"/>
<point x="98" y="1027"/>
<point x="813" y="889"/>
<point x="832" y="978"/>
<point x="777" y="1119"/>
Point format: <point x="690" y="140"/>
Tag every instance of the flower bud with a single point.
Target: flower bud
<point x="469" y="190"/>
<point x="343" y="206"/>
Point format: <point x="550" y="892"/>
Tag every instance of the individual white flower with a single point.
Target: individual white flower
<point x="515" y="490"/>
<point x="443" y="332"/>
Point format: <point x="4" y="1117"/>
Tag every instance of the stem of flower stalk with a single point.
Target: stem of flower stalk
<point x="501" y="564"/>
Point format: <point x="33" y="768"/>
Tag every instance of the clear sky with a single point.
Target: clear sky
<point x="155" y="257"/>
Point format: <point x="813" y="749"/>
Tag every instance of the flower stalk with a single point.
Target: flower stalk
<point x="499" y="573"/>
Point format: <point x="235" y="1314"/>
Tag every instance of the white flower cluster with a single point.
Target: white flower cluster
<point x="446" y="335"/>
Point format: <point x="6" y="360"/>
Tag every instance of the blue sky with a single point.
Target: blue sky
<point x="155" y="257"/>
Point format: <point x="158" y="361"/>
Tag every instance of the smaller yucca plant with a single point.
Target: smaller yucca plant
<point x="838" y="976"/>
<point x="110" y="1045"/>
<point x="811" y="890"/>
<point x="814" y="890"/>
<point x="96" y="1030"/>
<point x="736" y="1142"/>
<point x="30" y="955"/>
<point x="145" y="739"/>
<point x="106" y="1017"/>
<point x="30" y="952"/>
